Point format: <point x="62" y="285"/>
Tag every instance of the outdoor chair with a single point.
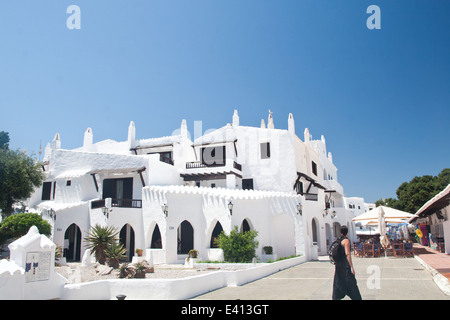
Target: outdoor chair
<point x="408" y="249"/>
<point x="358" y="249"/>
<point x="368" y="250"/>
<point x="398" y="249"/>
<point x="377" y="249"/>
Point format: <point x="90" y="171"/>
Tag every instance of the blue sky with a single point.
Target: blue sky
<point x="380" y="97"/>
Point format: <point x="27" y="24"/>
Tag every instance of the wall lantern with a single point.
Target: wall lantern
<point x="165" y="209"/>
<point x="299" y="209"/>
<point x="52" y="214"/>
<point x="230" y="207"/>
<point x="333" y="214"/>
<point x="325" y="212"/>
<point x="107" y="208"/>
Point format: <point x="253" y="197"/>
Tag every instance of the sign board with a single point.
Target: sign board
<point x="37" y="267"/>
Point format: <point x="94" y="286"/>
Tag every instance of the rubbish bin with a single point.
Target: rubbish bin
<point x="314" y="251"/>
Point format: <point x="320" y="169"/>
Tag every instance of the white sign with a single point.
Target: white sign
<point x="37" y="267"/>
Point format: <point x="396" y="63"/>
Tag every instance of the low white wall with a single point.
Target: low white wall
<point x="173" y="289"/>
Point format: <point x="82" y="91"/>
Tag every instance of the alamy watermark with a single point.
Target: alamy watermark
<point x="73" y="22"/>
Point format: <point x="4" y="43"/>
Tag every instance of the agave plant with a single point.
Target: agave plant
<point x="99" y="238"/>
<point x="115" y="252"/>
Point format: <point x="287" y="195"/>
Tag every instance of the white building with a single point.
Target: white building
<point x="264" y="178"/>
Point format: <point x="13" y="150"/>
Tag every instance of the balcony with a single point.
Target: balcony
<point x="118" y="203"/>
<point x="199" y="164"/>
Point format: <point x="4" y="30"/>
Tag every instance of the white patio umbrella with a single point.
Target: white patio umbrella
<point x="390" y="215"/>
<point x="384" y="240"/>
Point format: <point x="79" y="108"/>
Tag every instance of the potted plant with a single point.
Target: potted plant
<point x="139" y="252"/>
<point x="191" y="259"/>
<point x="268" y="250"/>
<point x="268" y="254"/>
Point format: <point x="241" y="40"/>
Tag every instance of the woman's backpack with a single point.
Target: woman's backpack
<point x="333" y="251"/>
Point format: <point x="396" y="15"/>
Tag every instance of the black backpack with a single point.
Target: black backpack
<point x="333" y="251"/>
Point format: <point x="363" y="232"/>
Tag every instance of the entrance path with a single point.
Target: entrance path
<point x="378" y="279"/>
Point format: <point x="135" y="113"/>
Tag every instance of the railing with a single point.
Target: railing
<point x="311" y="196"/>
<point x="199" y="164"/>
<point x="118" y="203"/>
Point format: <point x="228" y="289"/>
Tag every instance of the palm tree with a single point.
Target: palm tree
<point x="99" y="238"/>
<point x="115" y="252"/>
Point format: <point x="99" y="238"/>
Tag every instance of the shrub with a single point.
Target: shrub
<point x="98" y="239"/>
<point x="115" y="252"/>
<point x="17" y="225"/>
<point x="238" y="247"/>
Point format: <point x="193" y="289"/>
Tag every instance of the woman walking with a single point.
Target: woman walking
<point x="344" y="277"/>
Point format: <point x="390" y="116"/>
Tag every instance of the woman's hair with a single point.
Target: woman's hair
<point x="344" y="230"/>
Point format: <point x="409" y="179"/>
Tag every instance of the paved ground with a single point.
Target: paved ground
<point x="378" y="279"/>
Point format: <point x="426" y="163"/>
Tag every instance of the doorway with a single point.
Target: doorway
<point x="72" y="243"/>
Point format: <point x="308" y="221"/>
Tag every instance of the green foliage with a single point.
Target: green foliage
<point x="238" y="247"/>
<point x="4" y="140"/>
<point x="17" y="225"/>
<point x="19" y="176"/>
<point x="414" y="194"/>
<point x="115" y="252"/>
<point x="98" y="239"/>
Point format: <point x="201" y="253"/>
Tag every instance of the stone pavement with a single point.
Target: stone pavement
<point x="383" y="278"/>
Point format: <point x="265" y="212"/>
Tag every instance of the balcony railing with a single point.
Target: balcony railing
<point x="311" y="196"/>
<point x="118" y="203"/>
<point x="199" y="164"/>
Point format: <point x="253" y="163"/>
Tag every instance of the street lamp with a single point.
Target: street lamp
<point x="299" y="208"/>
<point x="230" y="207"/>
<point x="165" y="209"/>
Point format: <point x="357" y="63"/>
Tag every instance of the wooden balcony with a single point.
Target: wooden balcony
<point x="117" y="203"/>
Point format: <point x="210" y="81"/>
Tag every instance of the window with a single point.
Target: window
<point x="299" y="187"/>
<point x="247" y="184"/>
<point x="118" y="188"/>
<point x="314" y="168"/>
<point x="68" y="183"/>
<point x="166" y="157"/>
<point x="46" y="190"/>
<point x="265" y="150"/>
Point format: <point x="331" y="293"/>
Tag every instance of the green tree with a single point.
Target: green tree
<point x="19" y="176"/>
<point x="4" y="140"/>
<point x="17" y="225"/>
<point x="412" y="195"/>
<point x="237" y="246"/>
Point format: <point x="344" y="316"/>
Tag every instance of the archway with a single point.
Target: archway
<point x="72" y="243"/>
<point x="185" y="237"/>
<point x="315" y="230"/>
<point x="156" y="242"/>
<point x="245" y="226"/>
<point x="126" y="238"/>
<point x="215" y="234"/>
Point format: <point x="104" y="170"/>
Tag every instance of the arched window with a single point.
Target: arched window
<point x="156" y="239"/>
<point x="245" y="226"/>
<point x="215" y="234"/>
<point x="185" y="236"/>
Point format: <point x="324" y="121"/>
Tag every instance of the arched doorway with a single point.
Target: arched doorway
<point x="315" y="231"/>
<point x="215" y="234"/>
<point x="156" y="238"/>
<point x="126" y="238"/>
<point x="185" y="237"/>
<point x="72" y="243"/>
